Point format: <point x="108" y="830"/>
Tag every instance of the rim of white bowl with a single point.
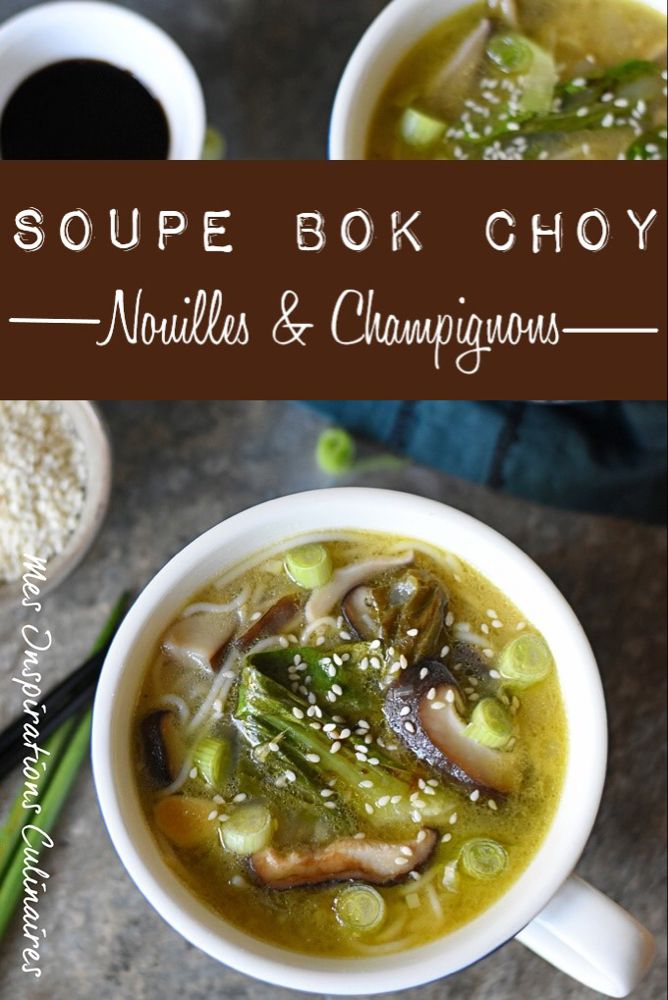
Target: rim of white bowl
<point x="271" y="523"/>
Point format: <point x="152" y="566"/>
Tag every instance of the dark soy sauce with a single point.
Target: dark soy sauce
<point x="83" y="109"/>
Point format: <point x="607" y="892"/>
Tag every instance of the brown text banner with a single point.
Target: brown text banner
<point x="277" y="279"/>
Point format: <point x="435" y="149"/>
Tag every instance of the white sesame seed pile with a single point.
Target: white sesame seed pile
<point x="42" y="481"/>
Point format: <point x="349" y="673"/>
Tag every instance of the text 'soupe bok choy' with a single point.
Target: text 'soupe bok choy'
<point x="530" y="81"/>
<point x="351" y="748"/>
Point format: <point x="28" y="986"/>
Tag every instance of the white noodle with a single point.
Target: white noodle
<point x="271" y="642"/>
<point x="208" y="607"/>
<point x="384" y="949"/>
<point x="173" y="701"/>
<point x="392" y="930"/>
<point x="180" y="777"/>
<point x="435" y="902"/>
<point x="326" y="622"/>
<point x="219" y="689"/>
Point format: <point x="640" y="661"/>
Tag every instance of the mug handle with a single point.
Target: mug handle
<point x="591" y="938"/>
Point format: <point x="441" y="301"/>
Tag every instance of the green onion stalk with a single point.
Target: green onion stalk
<point x="67" y="747"/>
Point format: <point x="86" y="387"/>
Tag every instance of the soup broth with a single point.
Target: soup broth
<point x="527" y="80"/>
<point x="289" y="760"/>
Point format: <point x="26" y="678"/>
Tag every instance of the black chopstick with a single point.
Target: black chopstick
<point x="64" y="700"/>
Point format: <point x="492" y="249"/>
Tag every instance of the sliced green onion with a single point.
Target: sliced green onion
<point x="483" y="858"/>
<point x="511" y="52"/>
<point x="211" y="757"/>
<point x="490" y="724"/>
<point x="525" y="661"/>
<point x="335" y="451"/>
<point x="518" y="55"/>
<point x="418" y="129"/>
<point x="309" y="565"/>
<point x="359" y="908"/>
<point x="248" y="829"/>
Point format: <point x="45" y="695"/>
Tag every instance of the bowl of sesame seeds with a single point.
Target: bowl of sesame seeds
<point x="55" y="471"/>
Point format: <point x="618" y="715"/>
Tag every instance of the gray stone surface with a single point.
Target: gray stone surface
<point x="179" y="468"/>
<point x="269" y="68"/>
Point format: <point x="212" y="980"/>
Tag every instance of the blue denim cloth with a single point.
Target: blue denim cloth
<point x="604" y="457"/>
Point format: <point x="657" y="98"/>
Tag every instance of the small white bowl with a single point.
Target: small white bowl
<point x="88" y="29"/>
<point x="563" y="919"/>
<point x="395" y="31"/>
<point x="90" y="427"/>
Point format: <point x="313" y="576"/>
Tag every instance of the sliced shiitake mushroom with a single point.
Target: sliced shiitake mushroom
<point x="199" y="640"/>
<point x="425" y="709"/>
<point x="373" y="861"/>
<point x="157" y="737"/>
<point x="277" y="618"/>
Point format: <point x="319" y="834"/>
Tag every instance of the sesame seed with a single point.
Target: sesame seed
<point x="344" y="734"/>
<point x="412" y="632"/>
<point x="219" y="799"/>
<point x="409" y="727"/>
<point x="475" y="795"/>
<point x="363" y="724"/>
<point x="406" y="851"/>
<point x="213" y="814"/>
<point x="492" y="804"/>
<point x="368" y="808"/>
<point x="330" y="805"/>
<point x="383" y="800"/>
<point x="495" y="674"/>
<point x="421" y="835"/>
<point x="491" y="613"/>
<point x="241" y="797"/>
<point x="283" y="642"/>
<point x="484" y="628"/>
<point x="274" y="747"/>
<point x="489" y="653"/>
<point x="337" y="659"/>
<point x="373" y="761"/>
<point x="313" y="758"/>
<point x="453" y="819"/>
<point x="297" y="712"/>
<point x="401" y="862"/>
<point x="446" y="838"/>
<point x="320" y="641"/>
<point x="375" y="662"/>
<point x="497" y="624"/>
<point x="361" y="747"/>
<point x="436" y="706"/>
<point x="326" y="793"/>
<point x="445" y="651"/>
<point x="223" y="817"/>
<point x="290" y="775"/>
<point x="329" y="727"/>
<point x="337" y="689"/>
<point x="335" y="747"/>
<point x="431" y="694"/>
<point x="449" y="619"/>
<point x="375" y="644"/>
<point x="366" y="783"/>
<point x="192" y="773"/>
<point x="395" y="800"/>
<point x="423" y="673"/>
<point x="345" y="636"/>
<point x="405" y="710"/>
